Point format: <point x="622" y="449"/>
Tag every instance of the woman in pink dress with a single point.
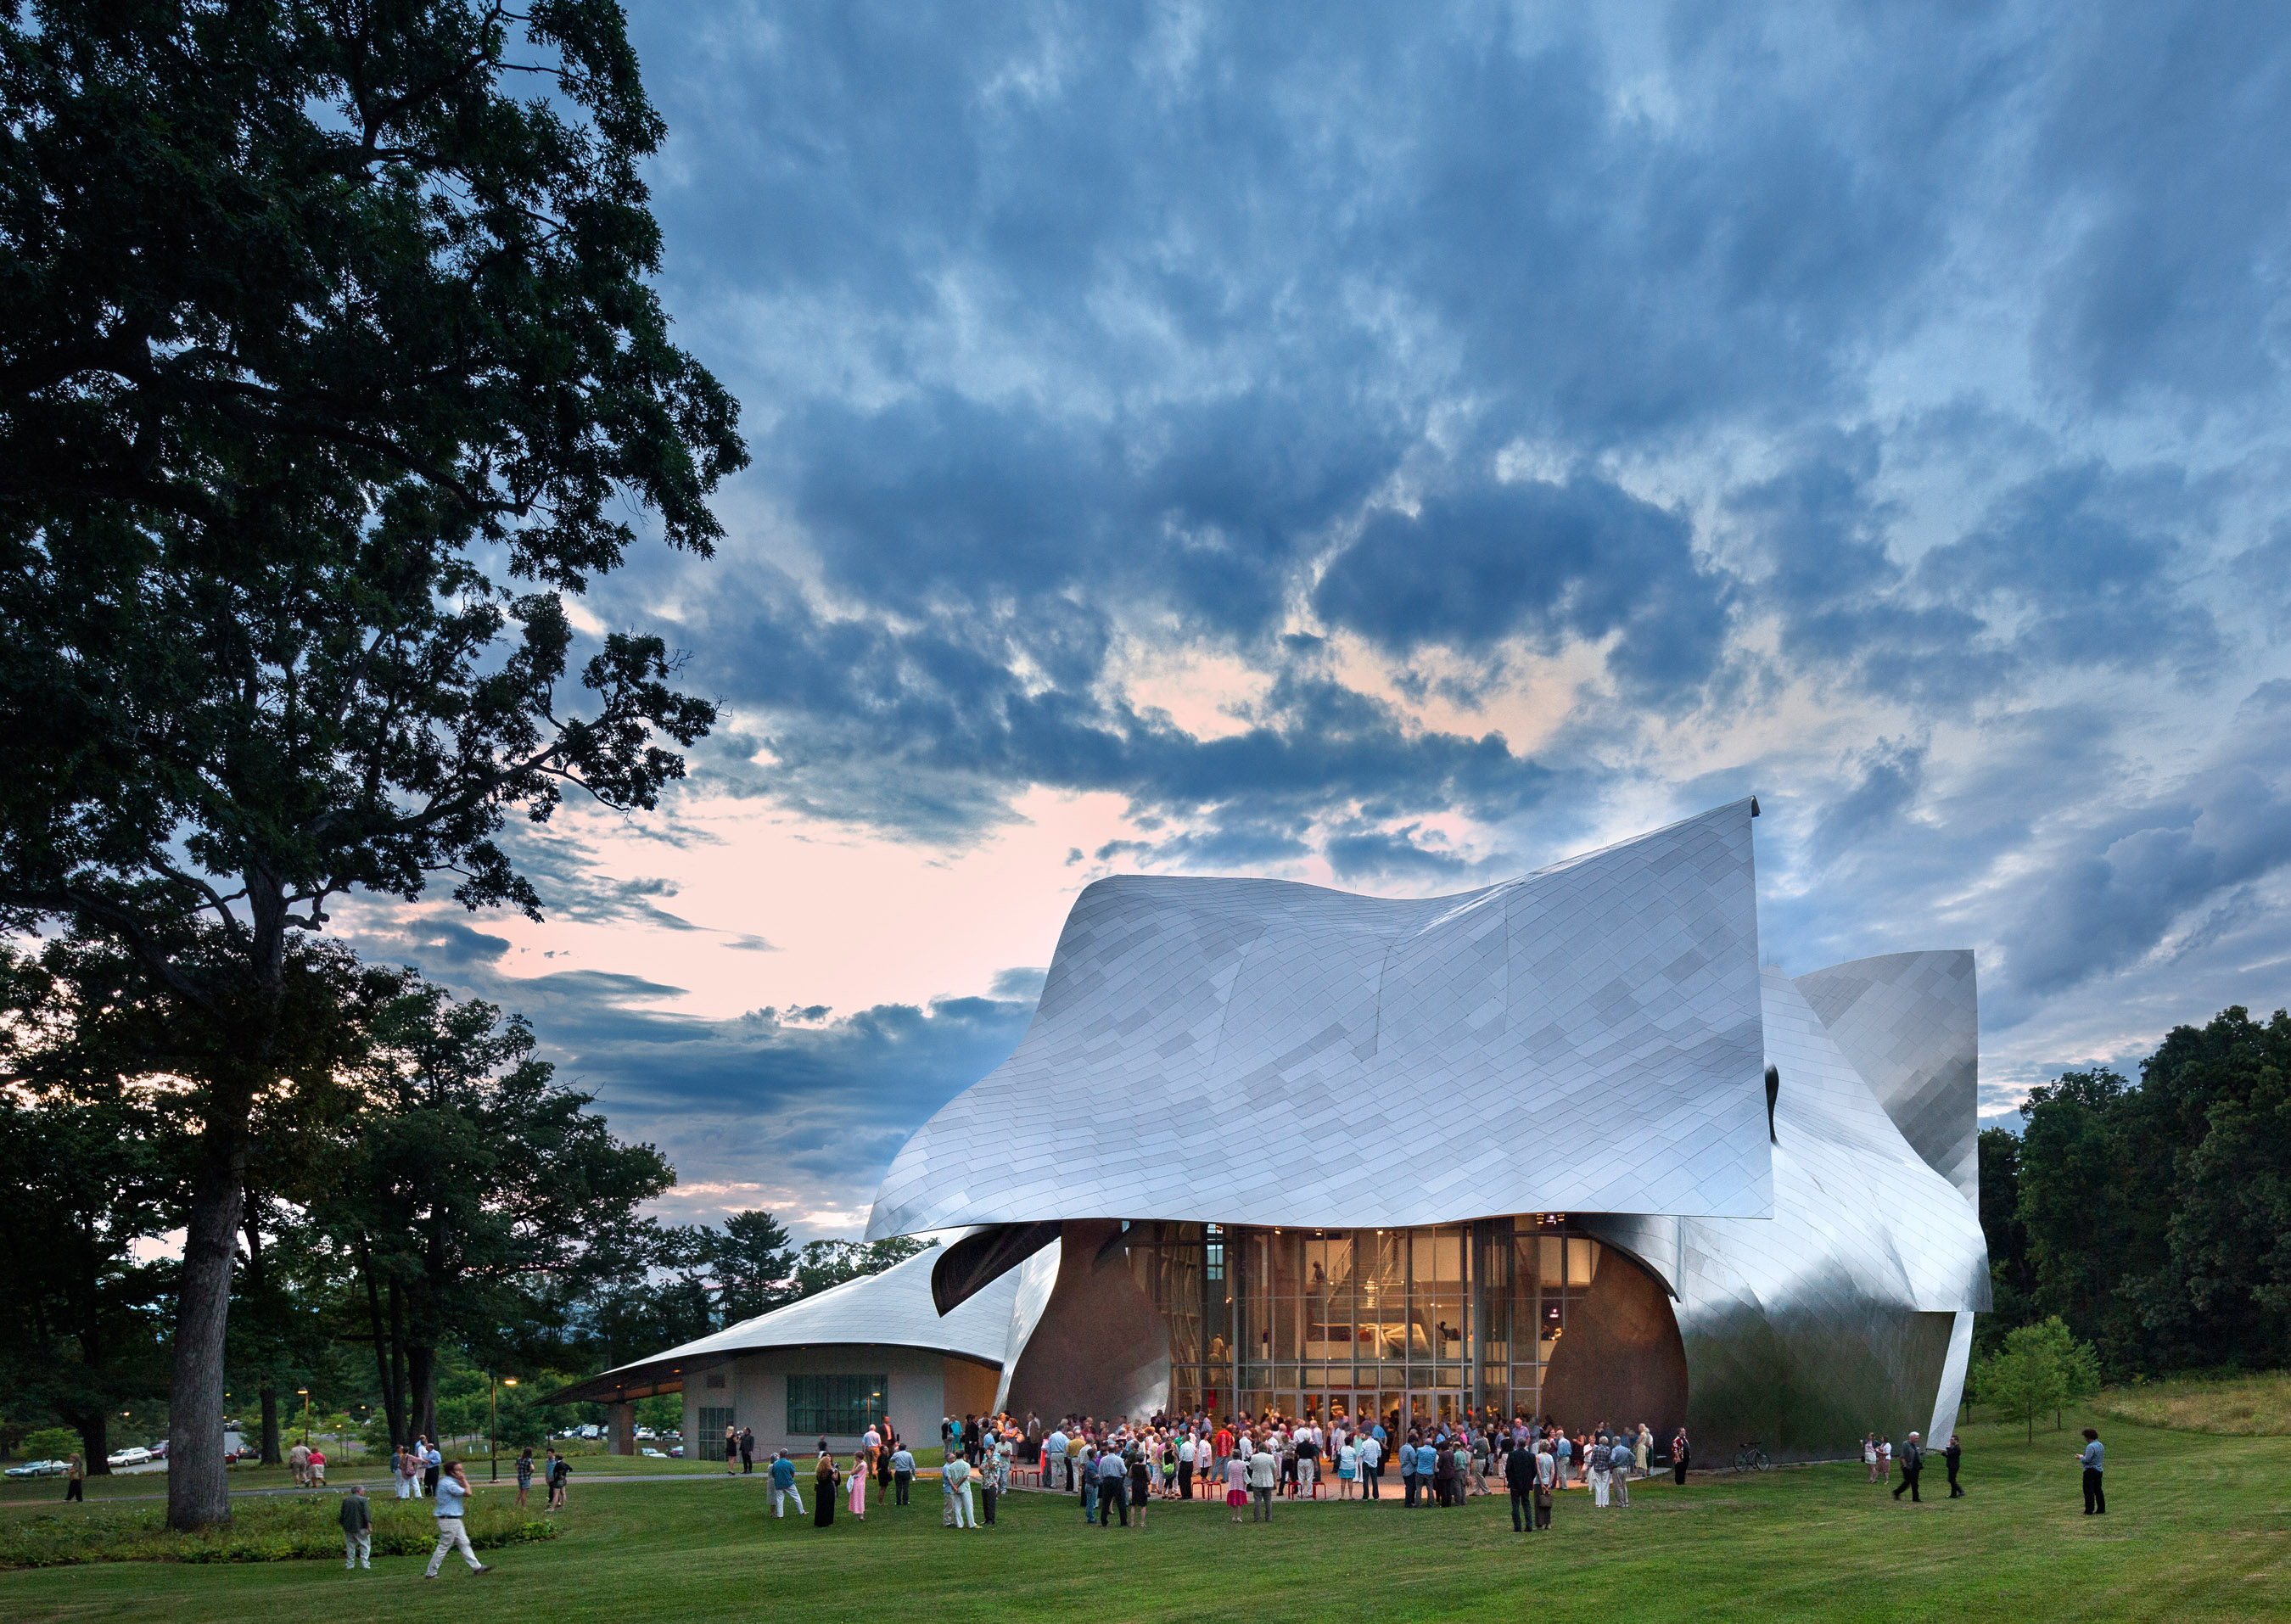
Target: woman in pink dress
<point x="859" y="1485"/>
<point x="1236" y="1477"/>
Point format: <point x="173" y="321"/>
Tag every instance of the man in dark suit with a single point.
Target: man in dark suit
<point x="1913" y="1461"/>
<point x="1519" y="1477"/>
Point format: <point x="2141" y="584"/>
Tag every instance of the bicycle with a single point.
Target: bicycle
<point x="1752" y="1458"/>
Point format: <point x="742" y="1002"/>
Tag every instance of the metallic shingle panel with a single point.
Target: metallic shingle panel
<point x="893" y="1309"/>
<point x="1911" y="1024"/>
<point x="1841" y="1313"/>
<point x="1224" y="1050"/>
<point x="1229" y="1045"/>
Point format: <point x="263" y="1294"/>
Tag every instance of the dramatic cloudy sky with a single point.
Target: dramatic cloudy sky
<point x="1396" y="448"/>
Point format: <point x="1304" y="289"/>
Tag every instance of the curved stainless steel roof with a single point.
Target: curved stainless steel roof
<point x="893" y="1309"/>
<point x="1228" y="1046"/>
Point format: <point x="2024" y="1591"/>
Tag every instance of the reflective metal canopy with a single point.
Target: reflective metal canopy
<point x="1233" y="1046"/>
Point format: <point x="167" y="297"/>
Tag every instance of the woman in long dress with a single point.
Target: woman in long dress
<point x="859" y="1486"/>
<point x="823" y="1504"/>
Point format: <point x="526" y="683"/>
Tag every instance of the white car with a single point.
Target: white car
<point x="655" y="1454"/>
<point x="128" y="1457"/>
<point x="40" y="1468"/>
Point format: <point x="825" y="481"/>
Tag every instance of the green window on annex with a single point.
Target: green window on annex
<point x="834" y="1406"/>
<point x="712" y="1423"/>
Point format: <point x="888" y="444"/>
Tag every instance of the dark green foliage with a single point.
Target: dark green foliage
<point x="303" y="1528"/>
<point x="2153" y="1217"/>
<point x="2008" y="1240"/>
<point x="824" y="1264"/>
<point x="84" y="1175"/>
<point x="476" y="1192"/>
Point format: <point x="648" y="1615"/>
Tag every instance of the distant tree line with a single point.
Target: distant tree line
<point x="430" y="1206"/>
<point x="2152" y="1219"/>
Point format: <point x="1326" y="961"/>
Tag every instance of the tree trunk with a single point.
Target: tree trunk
<point x="393" y="1413"/>
<point x="198" y="1494"/>
<point x="422" y="1364"/>
<point x="270" y="1456"/>
<point x="93" y="1424"/>
<point x="400" y="1394"/>
<point x="95" y="1441"/>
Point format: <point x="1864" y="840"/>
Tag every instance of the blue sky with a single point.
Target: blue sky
<point x="1397" y="447"/>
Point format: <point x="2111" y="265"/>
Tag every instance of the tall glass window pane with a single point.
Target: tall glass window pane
<point x="835" y="1406"/>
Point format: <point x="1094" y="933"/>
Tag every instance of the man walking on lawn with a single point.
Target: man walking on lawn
<point x="1913" y="1461"/>
<point x="358" y="1530"/>
<point x="453" y="1488"/>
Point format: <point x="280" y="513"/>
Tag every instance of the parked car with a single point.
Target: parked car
<point x="676" y="1452"/>
<point x="159" y="1449"/>
<point x="40" y="1468"/>
<point x="655" y="1454"/>
<point x="128" y="1457"/>
<point x="643" y="1433"/>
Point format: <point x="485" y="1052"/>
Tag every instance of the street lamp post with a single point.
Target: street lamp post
<point x="493" y="1420"/>
<point x="304" y="1393"/>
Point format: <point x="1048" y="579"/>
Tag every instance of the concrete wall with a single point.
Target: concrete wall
<point x="923" y="1386"/>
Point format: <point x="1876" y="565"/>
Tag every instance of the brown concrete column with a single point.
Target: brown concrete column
<point x="621" y="1428"/>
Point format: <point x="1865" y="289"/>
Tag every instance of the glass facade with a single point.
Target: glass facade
<point x="1426" y="1322"/>
<point x="834" y="1406"/>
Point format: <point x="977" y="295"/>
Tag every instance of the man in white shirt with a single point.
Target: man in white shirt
<point x="1372" y="1457"/>
<point x="954" y="1483"/>
<point x="452" y="1489"/>
<point x="1054" y="1455"/>
<point x="1264" y="1477"/>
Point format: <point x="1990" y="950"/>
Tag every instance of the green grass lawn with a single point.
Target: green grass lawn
<point x="2197" y="1530"/>
<point x="2232" y="1405"/>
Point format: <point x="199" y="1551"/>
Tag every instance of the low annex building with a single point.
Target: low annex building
<point x="1561" y="1146"/>
<point x="825" y="1367"/>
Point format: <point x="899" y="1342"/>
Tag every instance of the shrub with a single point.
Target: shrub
<point x="52" y="1444"/>
<point x="269" y="1529"/>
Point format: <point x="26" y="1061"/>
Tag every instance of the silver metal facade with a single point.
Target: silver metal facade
<point x="1587" y="1040"/>
<point x="1227" y="1042"/>
<point x="892" y="1309"/>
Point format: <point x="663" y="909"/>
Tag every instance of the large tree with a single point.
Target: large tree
<point x="475" y="1194"/>
<point x="329" y="367"/>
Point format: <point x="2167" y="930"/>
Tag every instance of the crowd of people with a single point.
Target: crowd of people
<point x="1116" y="1469"/>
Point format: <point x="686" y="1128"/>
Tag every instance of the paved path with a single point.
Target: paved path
<point x="385" y="1488"/>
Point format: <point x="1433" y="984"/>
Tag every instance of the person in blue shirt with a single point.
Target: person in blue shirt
<point x="453" y="1489"/>
<point x="2094" y="1460"/>
<point x="1428" y="1468"/>
<point x="782" y="1476"/>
